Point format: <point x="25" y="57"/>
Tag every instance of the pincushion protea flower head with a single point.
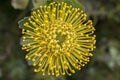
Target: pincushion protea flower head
<point x="58" y="39"/>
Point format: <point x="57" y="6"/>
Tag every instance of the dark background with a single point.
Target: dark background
<point x="104" y="65"/>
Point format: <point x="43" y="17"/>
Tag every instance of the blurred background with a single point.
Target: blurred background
<point x="104" y="65"/>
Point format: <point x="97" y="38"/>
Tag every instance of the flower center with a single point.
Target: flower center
<point x="60" y="39"/>
<point x="61" y="36"/>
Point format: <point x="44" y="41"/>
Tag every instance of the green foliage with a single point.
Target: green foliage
<point x="21" y="24"/>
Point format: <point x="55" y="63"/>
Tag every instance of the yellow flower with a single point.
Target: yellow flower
<point x="58" y="39"/>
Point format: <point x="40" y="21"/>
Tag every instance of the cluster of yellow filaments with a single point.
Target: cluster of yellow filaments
<point x="58" y="39"/>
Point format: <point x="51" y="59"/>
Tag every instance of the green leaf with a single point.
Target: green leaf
<point x="24" y="42"/>
<point x="21" y="24"/>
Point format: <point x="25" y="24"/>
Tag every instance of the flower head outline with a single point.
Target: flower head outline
<point x="58" y="39"/>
